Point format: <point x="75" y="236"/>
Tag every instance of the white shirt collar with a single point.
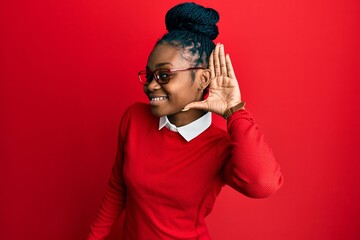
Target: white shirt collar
<point x="191" y="130"/>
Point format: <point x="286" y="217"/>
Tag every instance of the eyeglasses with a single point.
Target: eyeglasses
<point x="161" y="75"/>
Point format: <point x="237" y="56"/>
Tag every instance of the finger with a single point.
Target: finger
<point x="216" y="60"/>
<point x="197" y="105"/>
<point x="211" y="64"/>
<point x="223" y="66"/>
<point x="230" y="69"/>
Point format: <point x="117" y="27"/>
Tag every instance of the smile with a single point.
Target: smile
<point x="154" y="99"/>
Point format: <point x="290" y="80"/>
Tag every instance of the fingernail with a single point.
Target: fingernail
<point x="185" y="109"/>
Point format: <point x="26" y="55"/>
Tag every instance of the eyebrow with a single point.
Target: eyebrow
<point x="161" y="65"/>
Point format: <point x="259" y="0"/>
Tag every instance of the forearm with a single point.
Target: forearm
<point x="251" y="168"/>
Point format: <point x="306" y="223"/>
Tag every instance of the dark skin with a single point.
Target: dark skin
<point x="181" y="100"/>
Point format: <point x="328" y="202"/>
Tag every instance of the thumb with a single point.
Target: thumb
<point x="203" y="105"/>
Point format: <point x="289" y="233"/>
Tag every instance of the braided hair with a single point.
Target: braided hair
<point x="191" y="29"/>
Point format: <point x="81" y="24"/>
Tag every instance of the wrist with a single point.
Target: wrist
<point x="228" y="112"/>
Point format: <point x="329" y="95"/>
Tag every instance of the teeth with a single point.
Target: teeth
<point x="158" y="98"/>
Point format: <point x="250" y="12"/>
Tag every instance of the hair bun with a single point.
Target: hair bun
<point x="194" y="18"/>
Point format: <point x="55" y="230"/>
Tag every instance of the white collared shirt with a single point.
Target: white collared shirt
<point x="191" y="130"/>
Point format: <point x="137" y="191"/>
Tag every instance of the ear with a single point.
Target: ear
<point x="205" y="79"/>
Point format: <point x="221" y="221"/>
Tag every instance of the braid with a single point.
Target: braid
<point x="192" y="29"/>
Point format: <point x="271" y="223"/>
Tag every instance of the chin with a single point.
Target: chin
<point x="157" y="113"/>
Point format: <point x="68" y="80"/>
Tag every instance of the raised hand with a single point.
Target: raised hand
<point x="224" y="91"/>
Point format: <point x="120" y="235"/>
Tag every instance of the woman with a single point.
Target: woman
<point x="172" y="161"/>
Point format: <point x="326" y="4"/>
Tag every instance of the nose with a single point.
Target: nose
<point x="153" y="85"/>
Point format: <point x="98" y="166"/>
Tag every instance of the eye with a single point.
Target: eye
<point x="149" y="76"/>
<point x="164" y="75"/>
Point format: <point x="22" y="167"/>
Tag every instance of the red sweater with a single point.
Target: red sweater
<point x="168" y="185"/>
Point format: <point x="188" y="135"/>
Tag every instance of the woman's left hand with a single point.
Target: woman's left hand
<point x="224" y="91"/>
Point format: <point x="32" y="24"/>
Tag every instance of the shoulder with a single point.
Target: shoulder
<point x="218" y="130"/>
<point x="137" y="115"/>
<point x="216" y="134"/>
<point x="138" y="109"/>
<point x="139" y="106"/>
<point x="135" y="118"/>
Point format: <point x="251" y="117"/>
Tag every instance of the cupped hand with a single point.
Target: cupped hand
<point x="224" y="91"/>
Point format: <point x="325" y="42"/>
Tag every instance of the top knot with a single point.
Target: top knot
<point x="193" y="18"/>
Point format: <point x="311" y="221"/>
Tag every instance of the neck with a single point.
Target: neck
<point x="183" y="118"/>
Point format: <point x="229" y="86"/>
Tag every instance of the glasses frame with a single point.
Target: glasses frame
<point x="156" y="76"/>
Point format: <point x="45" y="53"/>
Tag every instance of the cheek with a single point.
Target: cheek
<point x="183" y="94"/>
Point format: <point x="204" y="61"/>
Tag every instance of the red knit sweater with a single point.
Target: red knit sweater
<point x="168" y="185"/>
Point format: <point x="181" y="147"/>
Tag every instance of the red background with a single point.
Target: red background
<point x="68" y="71"/>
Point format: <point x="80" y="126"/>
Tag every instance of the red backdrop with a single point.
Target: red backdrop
<point x="68" y="71"/>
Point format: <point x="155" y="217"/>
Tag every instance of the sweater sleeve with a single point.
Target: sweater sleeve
<point x="251" y="167"/>
<point x="113" y="202"/>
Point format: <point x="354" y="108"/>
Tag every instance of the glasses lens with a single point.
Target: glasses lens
<point x="148" y="77"/>
<point x="163" y="75"/>
<point x="145" y="77"/>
